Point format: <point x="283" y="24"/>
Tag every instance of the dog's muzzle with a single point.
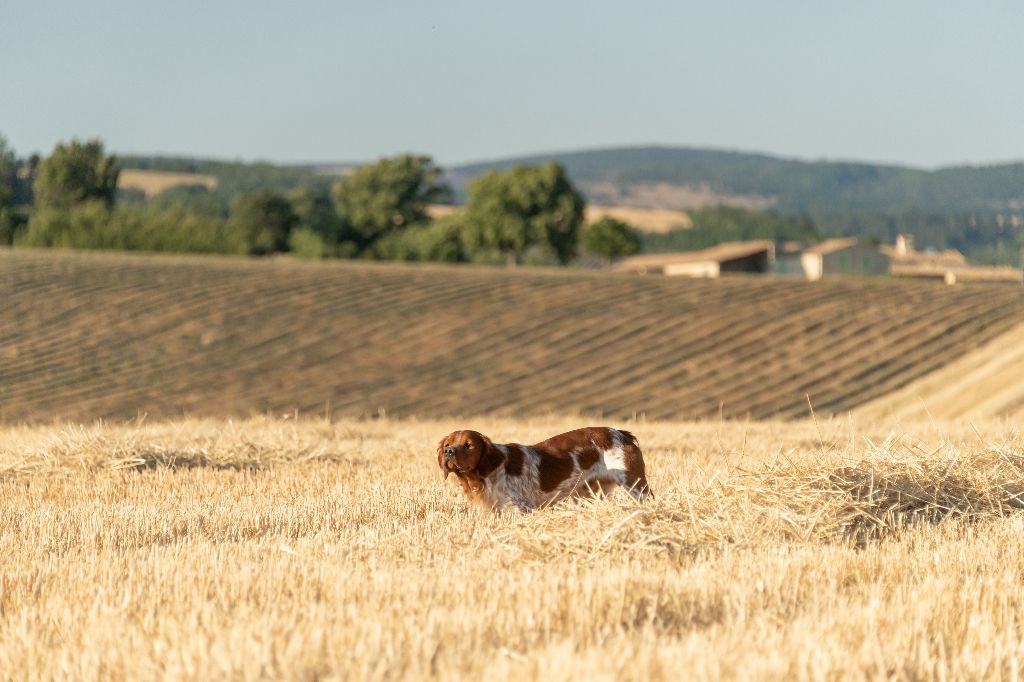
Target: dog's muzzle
<point x="449" y="460"/>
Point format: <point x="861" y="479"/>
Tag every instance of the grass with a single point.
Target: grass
<point x="114" y="336"/>
<point x="275" y="548"/>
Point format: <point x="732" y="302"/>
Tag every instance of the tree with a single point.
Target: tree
<point x="86" y="225"/>
<point x="74" y="173"/>
<point x="264" y="221"/>
<point x="192" y="198"/>
<point x="8" y="182"/>
<point x="717" y="224"/>
<point x="8" y="173"/>
<point x="526" y="206"/>
<point x="438" y="240"/>
<point x="610" y="239"/>
<point x="389" y="195"/>
<point x="317" y="214"/>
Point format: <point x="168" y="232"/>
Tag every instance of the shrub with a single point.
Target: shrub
<point x="92" y="225"/>
<point x="610" y="238"/>
<point x="264" y="220"/>
<point x="305" y="243"/>
<point x="440" y="240"/>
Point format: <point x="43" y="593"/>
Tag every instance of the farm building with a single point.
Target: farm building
<point x="843" y="257"/>
<point x="948" y="265"/>
<point x="903" y="254"/>
<point x="963" y="273"/>
<point x="753" y="256"/>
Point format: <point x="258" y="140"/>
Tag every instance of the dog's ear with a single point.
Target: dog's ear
<point x="440" y="459"/>
<point x="490" y="456"/>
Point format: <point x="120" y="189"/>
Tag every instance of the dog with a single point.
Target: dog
<point x="577" y="463"/>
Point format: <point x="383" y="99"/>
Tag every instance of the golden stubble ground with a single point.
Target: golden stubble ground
<point x="293" y="550"/>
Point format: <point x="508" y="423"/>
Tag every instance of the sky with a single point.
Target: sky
<point x="922" y="83"/>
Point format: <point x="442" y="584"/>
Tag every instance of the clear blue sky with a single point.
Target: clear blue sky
<point x="919" y="82"/>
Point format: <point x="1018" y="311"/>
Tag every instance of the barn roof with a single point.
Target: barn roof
<point x="832" y="245"/>
<point x="720" y="253"/>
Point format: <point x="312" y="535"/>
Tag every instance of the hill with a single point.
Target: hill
<point x="679" y="177"/>
<point x="114" y="336"/>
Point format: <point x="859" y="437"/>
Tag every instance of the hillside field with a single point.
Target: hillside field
<point x="88" y="336"/>
<point x="985" y="382"/>
<point x="283" y="549"/>
<point x="152" y="182"/>
<point x="657" y="221"/>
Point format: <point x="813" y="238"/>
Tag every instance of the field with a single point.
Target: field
<point x="115" y="336"/>
<point x="656" y="220"/>
<point x="297" y="525"/>
<point x="281" y="549"/>
<point x="671" y="196"/>
<point x="984" y="383"/>
<point x="152" y="182"/>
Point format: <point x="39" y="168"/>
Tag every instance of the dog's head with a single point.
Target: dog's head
<point x="461" y="451"/>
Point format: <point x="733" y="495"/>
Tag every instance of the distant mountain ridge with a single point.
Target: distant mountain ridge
<point x="688" y="177"/>
<point x="978" y="210"/>
<point x="761" y="180"/>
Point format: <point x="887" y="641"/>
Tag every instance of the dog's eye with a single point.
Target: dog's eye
<point x="469" y="445"/>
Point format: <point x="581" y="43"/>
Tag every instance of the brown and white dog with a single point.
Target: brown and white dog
<point x="577" y="463"/>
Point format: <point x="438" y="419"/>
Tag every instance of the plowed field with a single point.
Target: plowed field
<point x="86" y="336"/>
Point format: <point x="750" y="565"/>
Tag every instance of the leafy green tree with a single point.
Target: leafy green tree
<point x="716" y="224"/>
<point x="193" y="199"/>
<point x="305" y="243"/>
<point x="318" y="216"/>
<point x="610" y="239"/>
<point x="388" y="196"/>
<point x="74" y="173"/>
<point x="525" y="206"/>
<point x="85" y="225"/>
<point x="8" y="180"/>
<point x="8" y="173"/>
<point x="438" y="240"/>
<point x="264" y="221"/>
<point x="91" y="225"/>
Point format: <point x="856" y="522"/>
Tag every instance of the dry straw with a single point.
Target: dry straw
<point x="276" y="548"/>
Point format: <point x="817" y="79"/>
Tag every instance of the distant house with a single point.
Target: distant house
<point x="903" y="254"/>
<point x="752" y="256"/>
<point x="948" y="265"/>
<point x="842" y="257"/>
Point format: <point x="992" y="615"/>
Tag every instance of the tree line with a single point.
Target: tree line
<point x="524" y="214"/>
<point x="529" y="213"/>
<point x="716" y="224"/>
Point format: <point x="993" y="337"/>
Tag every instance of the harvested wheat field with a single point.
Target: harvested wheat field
<point x="87" y="336"/>
<point x="985" y="383"/>
<point x="277" y="549"/>
<point x="152" y="182"/>
<point x="656" y="220"/>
